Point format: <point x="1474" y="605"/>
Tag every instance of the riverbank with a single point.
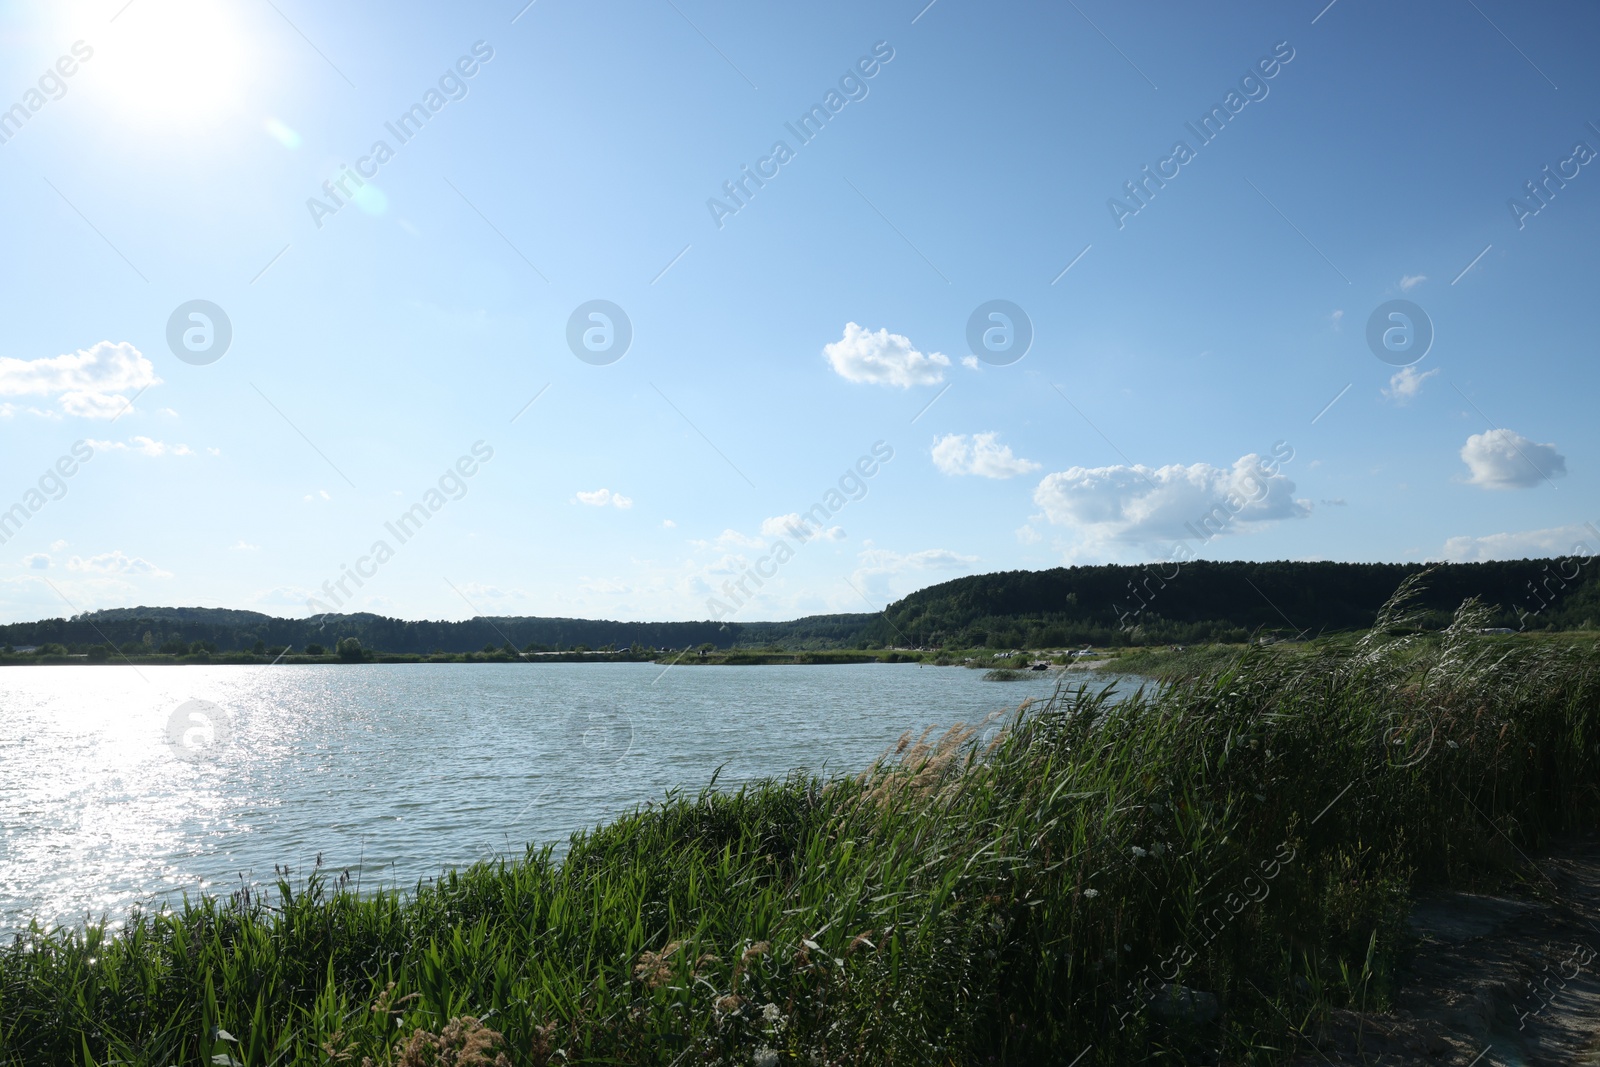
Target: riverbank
<point x="247" y="659"/>
<point x="1174" y="876"/>
<point x="722" y="657"/>
<point x="687" y="657"/>
<point x="1175" y="662"/>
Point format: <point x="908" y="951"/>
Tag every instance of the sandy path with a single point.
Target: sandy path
<point x="1505" y="981"/>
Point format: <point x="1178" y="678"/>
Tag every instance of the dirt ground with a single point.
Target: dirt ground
<point x="1493" y="980"/>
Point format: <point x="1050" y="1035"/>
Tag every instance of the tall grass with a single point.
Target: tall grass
<point x="1251" y="834"/>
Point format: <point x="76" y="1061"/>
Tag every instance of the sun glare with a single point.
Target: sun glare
<point x="175" y="60"/>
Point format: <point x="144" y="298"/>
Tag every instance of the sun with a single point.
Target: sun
<point x="174" y="61"/>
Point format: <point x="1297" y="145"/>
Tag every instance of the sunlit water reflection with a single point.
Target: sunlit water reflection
<point x="397" y="772"/>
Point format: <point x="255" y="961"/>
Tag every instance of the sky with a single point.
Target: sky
<point x="684" y="310"/>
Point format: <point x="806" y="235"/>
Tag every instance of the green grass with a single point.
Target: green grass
<point x="743" y="657"/>
<point x="1167" y="664"/>
<point x="1252" y="832"/>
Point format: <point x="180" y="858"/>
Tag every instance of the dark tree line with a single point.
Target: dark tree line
<point x="1107" y="605"/>
<point x="237" y="631"/>
<point x="1206" y="601"/>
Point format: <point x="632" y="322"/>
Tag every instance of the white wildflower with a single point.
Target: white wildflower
<point x="766" y="1057"/>
<point x="1091" y="893"/>
<point x="772" y="1015"/>
<point x="1139" y="853"/>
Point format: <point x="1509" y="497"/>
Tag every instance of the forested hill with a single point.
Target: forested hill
<point x="1203" y="601"/>
<point x="153" y="628"/>
<point x="1110" y="605"/>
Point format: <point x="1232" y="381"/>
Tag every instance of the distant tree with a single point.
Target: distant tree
<point x="99" y="653"/>
<point x="315" y="649"/>
<point x="173" y="647"/>
<point x="51" y="648"/>
<point x="8" y="650"/>
<point x="349" y="650"/>
<point x="260" y="648"/>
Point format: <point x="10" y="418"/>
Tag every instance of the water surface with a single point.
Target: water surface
<point x="395" y="772"/>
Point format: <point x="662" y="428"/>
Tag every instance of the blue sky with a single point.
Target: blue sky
<point x="1186" y="361"/>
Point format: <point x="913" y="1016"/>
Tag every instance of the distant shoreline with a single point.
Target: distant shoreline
<point x="717" y="658"/>
<point x="247" y="659"/>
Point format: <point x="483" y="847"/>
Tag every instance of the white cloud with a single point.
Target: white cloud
<point x="285" y="595"/>
<point x="668" y="524"/>
<point x="980" y="454"/>
<point x="1338" y="319"/>
<point x="144" y="446"/>
<point x="1027" y="535"/>
<point x="90" y="383"/>
<point x="1409" y="282"/>
<point x="605" y="586"/>
<point x="792" y="525"/>
<point x="776" y="528"/>
<point x="1577" y="539"/>
<point x="92" y="405"/>
<point x="970" y="362"/>
<point x="38" y="561"/>
<point x="320" y="494"/>
<point x="1504" y="459"/>
<point x="735" y="539"/>
<point x="1407" y="383"/>
<point x="883" y="358"/>
<point x="493" y="593"/>
<point x="57" y="546"/>
<point x="116" y="563"/>
<point x="887" y="561"/>
<point x="599" y="498"/>
<point x="244" y="546"/>
<point x="1141" y="505"/>
<point x="879" y="566"/>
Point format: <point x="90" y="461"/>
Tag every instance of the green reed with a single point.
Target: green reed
<point x="1253" y="833"/>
